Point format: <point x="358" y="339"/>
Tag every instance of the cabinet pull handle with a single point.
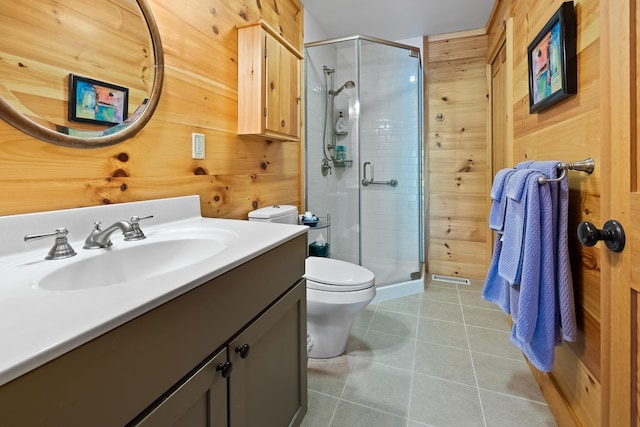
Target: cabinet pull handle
<point x="243" y="350"/>
<point x="225" y="369"/>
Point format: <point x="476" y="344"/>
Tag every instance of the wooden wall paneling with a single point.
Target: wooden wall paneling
<point x="199" y="95"/>
<point x="465" y="159"/>
<point x="458" y="228"/>
<point x="457" y="269"/>
<point x="457" y="150"/>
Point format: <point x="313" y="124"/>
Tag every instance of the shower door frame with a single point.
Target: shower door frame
<point x="358" y="161"/>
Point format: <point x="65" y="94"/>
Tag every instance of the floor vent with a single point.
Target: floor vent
<point x="449" y="279"/>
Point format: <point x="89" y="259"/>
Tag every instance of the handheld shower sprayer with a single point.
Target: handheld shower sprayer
<point x="348" y="85"/>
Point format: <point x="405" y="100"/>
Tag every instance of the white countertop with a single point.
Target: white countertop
<point x="38" y="325"/>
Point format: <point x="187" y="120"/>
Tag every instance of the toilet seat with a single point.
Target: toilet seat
<point x="327" y="274"/>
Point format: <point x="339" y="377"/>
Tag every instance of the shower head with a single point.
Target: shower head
<point x="348" y="85"/>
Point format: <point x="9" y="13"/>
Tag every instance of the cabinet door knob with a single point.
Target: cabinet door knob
<point x="225" y="369"/>
<point x="282" y="123"/>
<point x="612" y="233"/>
<point x="243" y="350"/>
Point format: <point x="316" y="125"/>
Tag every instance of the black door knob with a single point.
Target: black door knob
<point x="243" y="350"/>
<point x="612" y="233"/>
<point x="225" y="369"/>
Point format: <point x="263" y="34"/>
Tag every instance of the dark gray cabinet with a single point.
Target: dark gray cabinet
<point x="161" y="367"/>
<point x="260" y="374"/>
<point x="199" y="401"/>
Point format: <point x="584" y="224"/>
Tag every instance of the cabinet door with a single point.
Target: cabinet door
<point x="200" y="401"/>
<point x="282" y="89"/>
<point x="268" y="386"/>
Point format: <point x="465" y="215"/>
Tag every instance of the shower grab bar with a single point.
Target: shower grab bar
<point x="391" y="183"/>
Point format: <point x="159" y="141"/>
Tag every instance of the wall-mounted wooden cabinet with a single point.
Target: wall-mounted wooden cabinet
<point x="269" y="101"/>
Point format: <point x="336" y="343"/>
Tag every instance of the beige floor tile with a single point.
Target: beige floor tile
<point x="444" y="362"/>
<point x="405" y="305"/>
<point x="501" y="411"/>
<point x="441" y="311"/>
<point x="414" y="358"/>
<point x="485" y="318"/>
<point x="475" y="286"/>
<point x="442" y="294"/>
<point x="352" y="415"/>
<point x="491" y="341"/>
<point x="328" y="376"/>
<point x="444" y="403"/>
<point x="474" y="299"/>
<point x="506" y="376"/>
<point x="364" y="318"/>
<point x="320" y="409"/>
<point x="403" y="325"/>
<point x="440" y="332"/>
<point x="390" y="350"/>
<point x="379" y="387"/>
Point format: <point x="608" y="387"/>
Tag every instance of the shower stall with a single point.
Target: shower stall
<point x="364" y="168"/>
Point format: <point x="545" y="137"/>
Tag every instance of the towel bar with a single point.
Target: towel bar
<point x="586" y="165"/>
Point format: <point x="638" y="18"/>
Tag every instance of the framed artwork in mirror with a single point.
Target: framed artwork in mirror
<point x="553" y="72"/>
<point x="93" y="101"/>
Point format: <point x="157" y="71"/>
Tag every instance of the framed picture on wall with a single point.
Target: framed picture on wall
<point x="93" y="101"/>
<point x="553" y="74"/>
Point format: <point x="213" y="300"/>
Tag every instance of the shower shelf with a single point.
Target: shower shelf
<point x="342" y="163"/>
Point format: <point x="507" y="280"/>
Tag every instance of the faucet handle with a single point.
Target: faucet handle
<point x="61" y="248"/>
<point x="136" y="232"/>
<point x="135" y="219"/>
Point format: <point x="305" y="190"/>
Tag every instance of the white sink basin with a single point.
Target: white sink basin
<point x="130" y="261"/>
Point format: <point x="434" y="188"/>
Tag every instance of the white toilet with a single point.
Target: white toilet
<point x="337" y="291"/>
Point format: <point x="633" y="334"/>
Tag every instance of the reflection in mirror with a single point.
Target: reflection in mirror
<point x="112" y="41"/>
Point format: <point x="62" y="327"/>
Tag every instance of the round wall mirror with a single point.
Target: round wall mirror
<point x="78" y="73"/>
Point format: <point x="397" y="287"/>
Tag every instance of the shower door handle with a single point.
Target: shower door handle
<point x="391" y="183"/>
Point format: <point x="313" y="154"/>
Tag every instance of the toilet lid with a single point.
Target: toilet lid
<point x="272" y="212"/>
<point x="329" y="274"/>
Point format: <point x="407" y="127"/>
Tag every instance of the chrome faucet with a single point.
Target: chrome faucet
<point x="102" y="238"/>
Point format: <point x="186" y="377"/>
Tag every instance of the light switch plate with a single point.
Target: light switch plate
<point x="197" y="146"/>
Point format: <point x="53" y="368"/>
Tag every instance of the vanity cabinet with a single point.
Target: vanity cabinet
<point x="165" y="366"/>
<point x="269" y="101"/>
<point x="200" y="400"/>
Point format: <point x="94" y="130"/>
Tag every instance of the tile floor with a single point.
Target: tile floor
<point x="439" y="358"/>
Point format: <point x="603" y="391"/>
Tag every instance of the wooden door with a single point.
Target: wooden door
<point x="282" y="89"/>
<point x="499" y="118"/>
<point x="620" y="283"/>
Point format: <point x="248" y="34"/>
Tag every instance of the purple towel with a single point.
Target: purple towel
<point x="530" y="274"/>
<point x="496" y="289"/>
<point x="534" y="329"/>
<point x="565" y="305"/>
<point x="499" y="199"/>
<point x="511" y="258"/>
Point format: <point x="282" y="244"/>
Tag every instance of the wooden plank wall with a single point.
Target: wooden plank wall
<point x="457" y="156"/>
<point x="569" y="131"/>
<point x="200" y="95"/>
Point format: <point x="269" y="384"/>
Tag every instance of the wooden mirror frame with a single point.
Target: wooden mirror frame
<point x="111" y="135"/>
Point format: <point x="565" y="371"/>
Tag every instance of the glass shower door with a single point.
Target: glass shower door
<point x="390" y="162"/>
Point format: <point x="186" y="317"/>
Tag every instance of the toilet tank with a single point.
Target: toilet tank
<point x="286" y="214"/>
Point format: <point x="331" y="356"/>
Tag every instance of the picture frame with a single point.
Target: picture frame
<point x="93" y="101"/>
<point x="553" y="74"/>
